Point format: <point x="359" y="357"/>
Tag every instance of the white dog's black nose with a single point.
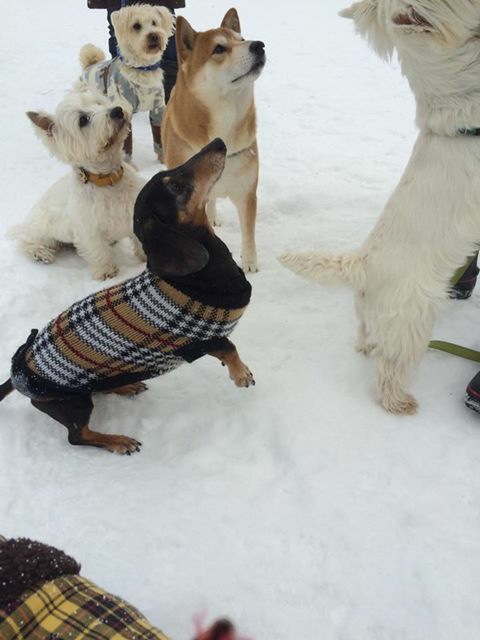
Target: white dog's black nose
<point x="117" y="113"/>
<point x="257" y="47"/>
<point x="153" y="39"/>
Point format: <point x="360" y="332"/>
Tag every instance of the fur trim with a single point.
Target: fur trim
<point x="25" y="563"/>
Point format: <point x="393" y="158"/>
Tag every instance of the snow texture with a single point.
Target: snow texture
<point x="297" y="507"/>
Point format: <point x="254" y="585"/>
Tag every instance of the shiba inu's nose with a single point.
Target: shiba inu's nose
<point x="117" y="113"/>
<point x="257" y="47"/>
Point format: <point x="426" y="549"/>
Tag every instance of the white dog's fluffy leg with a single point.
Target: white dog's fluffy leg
<point x="138" y="249"/>
<point x="325" y="267"/>
<point x="391" y="381"/>
<point x="400" y="333"/>
<point x="98" y="254"/>
<point x="90" y="54"/>
<point x="39" y="248"/>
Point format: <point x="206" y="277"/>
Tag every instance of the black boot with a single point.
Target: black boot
<point x="472" y="397"/>
<point x="463" y="289"/>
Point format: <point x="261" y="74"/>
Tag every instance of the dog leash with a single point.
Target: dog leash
<point x="451" y="347"/>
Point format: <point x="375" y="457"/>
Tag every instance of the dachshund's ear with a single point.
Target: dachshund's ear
<point x="171" y="253"/>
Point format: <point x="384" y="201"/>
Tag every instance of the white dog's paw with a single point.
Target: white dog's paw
<point x="104" y="272"/>
<point x="138" y="250"/>
<point x="242" y="376"/>
<point x="405" y="405"/>
<point x="44" y="254"/>
<point x="364" y="348"/>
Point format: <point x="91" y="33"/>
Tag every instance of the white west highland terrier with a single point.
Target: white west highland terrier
<point x="92" y="206"/>
<point x="431" y="223"/>
<point x="134" y="76"/>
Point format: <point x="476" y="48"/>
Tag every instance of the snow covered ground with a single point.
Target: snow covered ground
<point x="299" y="508"/>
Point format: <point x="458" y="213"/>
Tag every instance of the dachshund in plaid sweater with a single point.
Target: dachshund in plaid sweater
<point x="44" y="597"/>
<point x="182" y="307"/>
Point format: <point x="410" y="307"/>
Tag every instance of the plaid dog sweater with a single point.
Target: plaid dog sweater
<point x="139" y="329"/>
<point x="73" y="608"/>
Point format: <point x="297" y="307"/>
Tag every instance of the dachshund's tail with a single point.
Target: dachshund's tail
<point x="6" y="388"/>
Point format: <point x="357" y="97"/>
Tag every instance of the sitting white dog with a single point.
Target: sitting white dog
<point x="134" y="77"/>
<point x="92" y="206"/>
<point x="431" y="223"/>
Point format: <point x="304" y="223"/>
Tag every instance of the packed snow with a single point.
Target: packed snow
<point x="299" y="508"/>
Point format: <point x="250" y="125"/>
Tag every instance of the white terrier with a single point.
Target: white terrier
<point x="92" y="207"/>
<point x="134" y="77"/>
<point x="431" y="223"/>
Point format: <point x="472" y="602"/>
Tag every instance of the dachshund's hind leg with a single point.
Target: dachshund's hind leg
<point x="74" y="414"/>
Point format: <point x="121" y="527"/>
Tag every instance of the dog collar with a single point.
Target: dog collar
<point x="151" y="67"/>
<point x="474" y="131"/>
<point x="101" y="179"/>
<point x="237" y="153"/>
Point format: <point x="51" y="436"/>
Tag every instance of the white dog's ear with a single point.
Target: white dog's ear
<point x="370" y="24"/>
<point x="116" y="18"/>
<point x="43" y="121"/>
<point x="232" y="21"/>
<point x="411" y="20"/>
<point x="167" y="18"/>
<point x="186" y="36"/>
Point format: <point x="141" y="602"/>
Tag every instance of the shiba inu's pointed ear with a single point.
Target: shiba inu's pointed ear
<point x="185" y="36"/>
<point x="43" y="121"/>
<point x="370" y="24"/>
<point x="232" y="21"/>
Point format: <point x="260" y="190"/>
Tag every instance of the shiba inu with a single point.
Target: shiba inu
<point x="213" y="98"/>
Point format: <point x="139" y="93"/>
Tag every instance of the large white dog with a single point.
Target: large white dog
<point x="431" y="223"/>
<point x="92" y="206"/>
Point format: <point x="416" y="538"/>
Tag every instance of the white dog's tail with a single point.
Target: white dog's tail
<point x="326" y="267"/>
<point x="90" y="54"/>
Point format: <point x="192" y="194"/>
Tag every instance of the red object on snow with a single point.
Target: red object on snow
<point x="221" y="630"/>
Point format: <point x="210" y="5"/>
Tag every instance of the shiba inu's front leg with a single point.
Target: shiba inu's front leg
<point x="212" y="213"/>
<point x="246" y="204"/>
<point x="238" y="370"/>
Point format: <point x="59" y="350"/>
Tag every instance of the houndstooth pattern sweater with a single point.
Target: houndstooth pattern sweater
<point x="139" y="329"/>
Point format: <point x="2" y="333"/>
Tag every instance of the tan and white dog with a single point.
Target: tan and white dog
<point x="213" y="97"/>
<point x="431" y="223"/>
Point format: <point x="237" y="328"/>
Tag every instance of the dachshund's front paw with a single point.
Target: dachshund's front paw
<point x="242" y="376"/>
<point x="123" y="445"/>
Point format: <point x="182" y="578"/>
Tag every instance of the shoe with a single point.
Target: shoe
<point x="472" y="396"/>
<point x="463" y="289"/>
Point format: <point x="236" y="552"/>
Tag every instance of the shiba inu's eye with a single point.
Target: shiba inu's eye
<point x="219" y="49"/>
<point x="83" y="120"/>
<point x="137" y="26"/>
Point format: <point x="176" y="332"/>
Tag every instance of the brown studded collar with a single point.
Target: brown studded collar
<point x="101" y="179"/>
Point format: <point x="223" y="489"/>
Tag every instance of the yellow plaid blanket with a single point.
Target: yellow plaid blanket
<point x="73" y="608"/>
